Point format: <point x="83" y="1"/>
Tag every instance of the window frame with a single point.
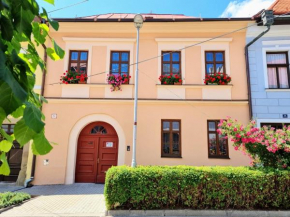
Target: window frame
<point x="78" y="61"/>
<point x="171" y="62"/>
<point x="276" y="66"/>
<point x="274" y="123"/>
<point x="120" y="62"/>
<point x="214" y="62"/>
<point x="217" y="141"/>
<point x="171" y="155"/>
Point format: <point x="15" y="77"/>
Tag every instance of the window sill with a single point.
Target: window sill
<point x="96" y="84"/>
<point x="277" y="90"/>
<point x="170" y="156"/>
<point x="219" y="157"/>
<point x="194" y="86"/>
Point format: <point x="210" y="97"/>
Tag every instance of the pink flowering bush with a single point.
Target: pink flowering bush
<point x="266" y="146"/>
<point x="117" y="80"/>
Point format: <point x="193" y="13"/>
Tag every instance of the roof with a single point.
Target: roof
<point x="148" y="17"/>
<point x="280" y="7"/>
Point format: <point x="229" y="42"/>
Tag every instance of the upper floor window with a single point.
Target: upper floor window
<point x="215" y="62"/>
<point x="278" y="70"/>
<point x="170" y="138"/>
<point x="120" y="63"/>
<point x="171" y="62"/>
<point x="217" y="144"/>
<point x="78" y="61"/>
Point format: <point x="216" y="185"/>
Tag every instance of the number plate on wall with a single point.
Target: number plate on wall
<point x="109" y="144"/>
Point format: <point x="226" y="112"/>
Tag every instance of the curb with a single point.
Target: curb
<point x="188" y="212"/>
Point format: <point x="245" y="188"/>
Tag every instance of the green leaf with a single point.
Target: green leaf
<point x="18" y="112"/>
<point x="54" y="24"/>
<point x="60" y="52"/>
<point x="44" y="14"/>
<point x="23" y="134"/>
<point x="32" y="117"/>
<point x="2" y="115"/>
<point x="6" y="76"/>
<point x="52" y="54"/>
<point x="5" y="145"/>
<point x="7" y="31"/>
<point x="40" y="145"/>
<point x="50" y="1"/>
<point x="22" y="18"/>
<point x="4" y="168"/>
<point x="8" y="101"/>
<point x="40" y="31"/>
<point x="10" y="138"/>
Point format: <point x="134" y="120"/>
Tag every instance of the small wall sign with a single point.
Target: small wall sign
<point x="109" y="144"/>
<point x="285" y="116"/>
<point x="53" y="116"/>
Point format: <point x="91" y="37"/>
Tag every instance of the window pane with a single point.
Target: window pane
<point x="211" y="126"/>
<point x="166" y="125"/>
<point x="125" y="57"/>
<point x="209" y="57"/>
<point x="175" y="126"/>
<point x="166" y="148"/>
<point x="115" y="67"/>
<point x="124" y="67"/>
<point x="74" y="56"/>
<point x="15" y="156"/>
<point x="175" y="148"/>
<point x="276" y="58"/>
<point x="223" y="145"/>
<point x="219" y="68"/>
<point x="166" y="57"/>
<point x="115" y="56"/>
<point x="283" y="77"/>
<point x="73" y="67"/>
<point x="212" y="144"/>
<point x="175" y="57"/>
<point x="272" y="78"/>
<point x="175" y="68"/>
<point x="5" y="127"/>
<point x="166" y="141"/>
<point x="219" y="57"/>
<point x="83" y="68"/>
<point x="209" y="68"/>
<point x="166" y="68"/>
<point x="12" y="128"/>
<point x="84" y="55"/>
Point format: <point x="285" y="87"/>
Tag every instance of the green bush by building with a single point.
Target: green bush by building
<point x="181" y="187"/>
<point x="12" y="198"/>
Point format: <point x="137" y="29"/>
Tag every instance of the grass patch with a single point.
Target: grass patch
<point x="12" y="198"/>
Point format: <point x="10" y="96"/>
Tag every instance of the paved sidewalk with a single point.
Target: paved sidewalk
<point x="62" y="200"/>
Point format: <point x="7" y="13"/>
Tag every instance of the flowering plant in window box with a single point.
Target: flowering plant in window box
<point x="73" y="77"/>
<point x="117" y="80"/>
<point x="170" y="79"/>
<point x="217" y="78"/>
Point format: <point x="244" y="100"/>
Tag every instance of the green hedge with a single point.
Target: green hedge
<point x="164" y="187"/>
<point x="12" y="198"/>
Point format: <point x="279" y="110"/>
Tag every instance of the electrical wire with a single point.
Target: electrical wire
<point x="68" y="6"/>
<point x="189" y="46"/>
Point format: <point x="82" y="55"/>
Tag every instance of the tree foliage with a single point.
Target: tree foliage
<point x="23" y="29"/>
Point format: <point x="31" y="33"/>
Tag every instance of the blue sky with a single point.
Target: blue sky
<point x="197" y="8"/>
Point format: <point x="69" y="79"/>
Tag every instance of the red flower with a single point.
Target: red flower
<point x="168" y="76"/>
<point x="180" y="80"/>
<point x="66" y="82"/>
<point x="165" y="82"/>
<point x="125" y="75"/>
<point x="64" y="73"/>
<point x="129" y="76"/>
<point x="63" y="81"/>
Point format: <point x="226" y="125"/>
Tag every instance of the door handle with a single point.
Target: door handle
<point x="98" y="160"/>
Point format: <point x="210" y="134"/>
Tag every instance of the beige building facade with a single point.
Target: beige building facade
<point x="93" y="125"/>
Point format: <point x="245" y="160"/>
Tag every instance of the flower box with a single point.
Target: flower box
<point x="117" y="80"/>
<point x="170" y="79"/>
<point x="74" y="77"/>
<point x="217" y="79"/>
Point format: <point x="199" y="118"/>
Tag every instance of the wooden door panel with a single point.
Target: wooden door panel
<point x="108" y="152"/>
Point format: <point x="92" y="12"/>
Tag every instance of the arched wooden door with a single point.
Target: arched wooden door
<point x="97" y="152"/>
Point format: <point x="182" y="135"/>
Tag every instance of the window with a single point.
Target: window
<point x="99" y="130"/>
<point x="278" y="70"/>
<point x="78" y="61"/>
<point x="171" y="62"/>
<point x="275" y="125"/>
<point x="215" y="62"/>
<point x="120" y="63"/>
<point x="170" y="138"/>
<point x="217" y="144"/>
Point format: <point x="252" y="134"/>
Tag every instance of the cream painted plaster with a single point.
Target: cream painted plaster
<point x="73" y="142"/>
<point x="75" y="90"/>
<point x="220" y="92"/>
<point x="125" y="92"/>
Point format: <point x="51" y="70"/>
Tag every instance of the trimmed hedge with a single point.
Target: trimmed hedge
<point x="12" y="198"/>
<point x="165" y="187"/>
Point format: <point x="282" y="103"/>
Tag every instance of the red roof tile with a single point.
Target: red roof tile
<point x="280" y="7"/>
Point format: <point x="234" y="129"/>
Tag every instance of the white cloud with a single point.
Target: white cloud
<point x="245" y="8"/>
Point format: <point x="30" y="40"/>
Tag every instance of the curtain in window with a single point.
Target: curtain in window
<point x="283" y="77"/>
<point x="272" y="78"/>
<point x="276" y="58"/>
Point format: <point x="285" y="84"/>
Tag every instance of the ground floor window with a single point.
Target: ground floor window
<point x="217" y="144"/>
<point x="170" y="138"/>
<point x="275" y="125"/>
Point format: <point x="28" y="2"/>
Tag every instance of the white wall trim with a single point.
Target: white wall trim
<point x="165" y="46"/>
<point x="215" y="47"/>
<point x="192" y="39"/>
<point x="73" y="142"/>
<point x="276" y="31"/>
<point x="71" y="39"/>
<point x="264" y="51"/>
<point x="276" y="42"/>
<point x="281" y="120"/>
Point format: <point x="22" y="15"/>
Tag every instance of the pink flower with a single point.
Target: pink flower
<point x="236" y="148"/>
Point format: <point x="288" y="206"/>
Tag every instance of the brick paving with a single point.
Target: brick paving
<point x="62" y="200"/>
